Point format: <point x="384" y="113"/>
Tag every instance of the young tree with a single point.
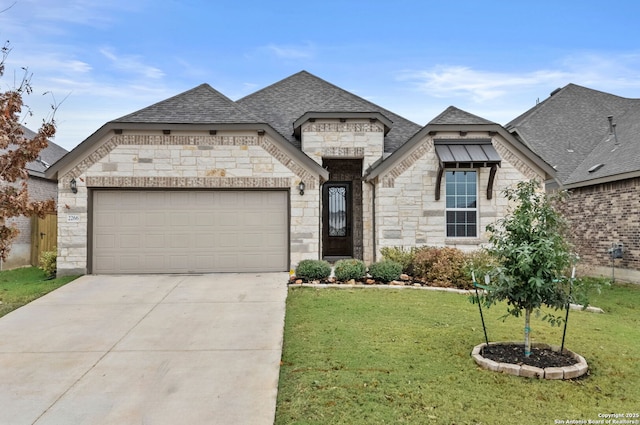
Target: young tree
<point x="534" y="256"/>
<point x="16" y="151"/>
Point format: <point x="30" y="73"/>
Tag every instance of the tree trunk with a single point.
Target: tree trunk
<point x="527" y="331"/>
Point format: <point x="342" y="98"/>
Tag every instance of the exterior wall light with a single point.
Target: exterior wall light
<point x="301" y="187"/>
<point x="73" y="185"/>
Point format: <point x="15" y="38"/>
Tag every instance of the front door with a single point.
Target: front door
<point x="337" y="229"/>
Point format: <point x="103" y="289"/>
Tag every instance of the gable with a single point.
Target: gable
<point x="477" y="132"/>
<point x="284" y="102"/>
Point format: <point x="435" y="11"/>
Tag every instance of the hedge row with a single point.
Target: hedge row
<point x="448" y="267"/>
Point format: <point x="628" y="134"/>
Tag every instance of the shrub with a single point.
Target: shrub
<point x="400" y="256"/>
<point x="48" y="263"/>
<point x="442" y="267"/>
<point x="481" y="262"/>
<point x="350" y="269"/>
<point x="385" y="270"/>
<point x="313" y="269"/>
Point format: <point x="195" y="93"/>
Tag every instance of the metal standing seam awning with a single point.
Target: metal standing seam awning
<point x="466" y="153"/>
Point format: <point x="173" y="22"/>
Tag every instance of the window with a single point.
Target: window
<point x="461" y="204"/>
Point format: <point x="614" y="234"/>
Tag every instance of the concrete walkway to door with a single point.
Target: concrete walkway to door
<point x="154" y="349"/>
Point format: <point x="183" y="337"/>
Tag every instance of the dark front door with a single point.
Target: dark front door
<point x="337" y="211"/>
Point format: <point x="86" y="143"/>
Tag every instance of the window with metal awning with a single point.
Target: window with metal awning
<point x="466" y="153"/>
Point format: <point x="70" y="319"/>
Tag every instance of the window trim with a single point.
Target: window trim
<point x="477" y="208"/>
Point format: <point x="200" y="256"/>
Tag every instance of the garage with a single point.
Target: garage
<point x="189" y="231"/>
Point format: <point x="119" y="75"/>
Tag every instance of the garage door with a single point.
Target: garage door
<point x="189" y="231"/>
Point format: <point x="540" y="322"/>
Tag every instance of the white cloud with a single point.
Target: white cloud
<point x="291" y="52"/>
<point x="481" y="86"/>
<point x="132" y="64"/>
<point x="603" y="72"/>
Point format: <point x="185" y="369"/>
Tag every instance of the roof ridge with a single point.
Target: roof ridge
<point x="451" y="110"/>
<point x="202" y="103"/>
<point x="535" y="108"/>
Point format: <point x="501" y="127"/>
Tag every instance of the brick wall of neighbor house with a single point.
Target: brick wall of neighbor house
<point x="407" y="213"/>
<point x="361" y="139"/>
<point x="185" y="160"/>
<point x="20" y="254"/>
<point x="604" y="214"/>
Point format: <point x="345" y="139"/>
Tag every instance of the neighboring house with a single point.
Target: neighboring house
<point x="40" y="189"/>
<point x="592" y="139"/>
<point x="301" y="169"/>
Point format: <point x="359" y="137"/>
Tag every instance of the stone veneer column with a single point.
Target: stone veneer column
<point x="352" y="139"/>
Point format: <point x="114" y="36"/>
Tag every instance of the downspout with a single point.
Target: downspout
<point x="373" y="219"/>
<point x="320" y="216"/>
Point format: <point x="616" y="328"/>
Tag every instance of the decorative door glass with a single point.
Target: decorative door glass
<point x="338" y="211"/>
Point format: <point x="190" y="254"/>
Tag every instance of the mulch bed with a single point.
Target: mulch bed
<point x="514" y="354"/>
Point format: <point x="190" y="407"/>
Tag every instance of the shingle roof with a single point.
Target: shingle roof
<point x="48" y="156"/>
<point x="282" y="103"/>
<point x="455" y="116"/>
<point x="570" y="130"/>
<point x="200" y="105"/>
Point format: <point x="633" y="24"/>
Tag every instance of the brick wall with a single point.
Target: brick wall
<point x="604" y="214"/>
<point x="20" y="255"/>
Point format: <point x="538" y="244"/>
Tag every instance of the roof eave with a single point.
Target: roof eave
<point x="83" y="148"/>
<point x="602" y="180"/>
<point x="375" y="116"/>
<point x="433" y="129"/>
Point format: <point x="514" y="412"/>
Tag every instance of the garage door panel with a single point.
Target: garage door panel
<point x="129" y="241"/>
<point x="154" y="218"/>
<point x="189" y="231"/>
<point x="180" y="240"/>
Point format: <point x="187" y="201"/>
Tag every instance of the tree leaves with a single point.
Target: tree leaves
<point x="533" y="251"/>
<point x="18" y="151"/>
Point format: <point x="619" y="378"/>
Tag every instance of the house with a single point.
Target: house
<point x="592" y="139"/>
<point x="301" y="169"/>
<point x="40" y="188"/>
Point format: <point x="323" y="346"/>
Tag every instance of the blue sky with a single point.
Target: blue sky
<point x="101" y="60"/>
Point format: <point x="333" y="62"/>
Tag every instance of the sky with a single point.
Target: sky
<point x="100" y="60"/>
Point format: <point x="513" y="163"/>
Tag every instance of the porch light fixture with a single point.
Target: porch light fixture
<point x="73" y="185"/>
<point x="301" y="187"/>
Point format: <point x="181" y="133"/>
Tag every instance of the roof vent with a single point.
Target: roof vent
<point x="595" y="168"/>
<point x="610" y="118"/>
<point x="44" y="163"/>
<point x="555" y="91"/>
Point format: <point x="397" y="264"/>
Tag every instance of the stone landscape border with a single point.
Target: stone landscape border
<point x="566" y="372"/>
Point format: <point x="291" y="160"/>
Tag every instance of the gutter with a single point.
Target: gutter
<point x="373" y="218"/>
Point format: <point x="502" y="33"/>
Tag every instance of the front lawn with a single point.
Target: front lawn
<point x="372" y="356"/>
<point x="21" y="286"/>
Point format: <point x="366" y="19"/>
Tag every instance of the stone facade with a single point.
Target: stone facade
<point x="604" y="214"/>
<point x="349" y="139"/>
<point x="189" y="161"/>
<point x="407" y="213"/>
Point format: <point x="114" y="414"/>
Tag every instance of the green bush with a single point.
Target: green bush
<point x="401" y="256"/>
<point x="350" y="269"/>
<point x="385" y="270"/>
<point x="481" y="262"/>
<point x="48" y="263"/>
<point x="442" y="267"/>
<point x="313" y="269"/>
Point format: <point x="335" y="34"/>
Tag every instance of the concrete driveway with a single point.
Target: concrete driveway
<point x="158" y="349"/>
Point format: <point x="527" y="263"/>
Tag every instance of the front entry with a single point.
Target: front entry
<point x="342" y="208"/>
<point x="337" y="231"/>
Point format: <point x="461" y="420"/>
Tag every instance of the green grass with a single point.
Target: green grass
<point x="356" y="356"/>
<point x="21" y="286"/>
